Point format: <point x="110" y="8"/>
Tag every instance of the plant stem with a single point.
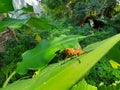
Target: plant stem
<point x="8" y="79"/>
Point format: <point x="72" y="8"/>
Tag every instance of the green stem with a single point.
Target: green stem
<point x="8" y="79"/>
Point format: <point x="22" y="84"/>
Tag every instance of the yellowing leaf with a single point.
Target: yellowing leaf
<point x="38" y="38"/>
<point x="114" y="64"/>
<point x="30" y="31"/>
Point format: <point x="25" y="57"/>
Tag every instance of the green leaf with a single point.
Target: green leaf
<point x="11" y="23"/>
<point x="64" y="76"/>
<point x="34" y="23"/>
<point x="19" y="85"/>
<point x="28" y="9"/>
<point x="93" y="46"/>
<point x="114" y="53"/>
<point x="38" y="23"/>
<point x="84" y="86"/>
<point x="43" y="53"/>
<point x="6" y="6"/>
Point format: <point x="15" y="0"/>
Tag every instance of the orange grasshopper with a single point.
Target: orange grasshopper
<point x="73" y="52"/>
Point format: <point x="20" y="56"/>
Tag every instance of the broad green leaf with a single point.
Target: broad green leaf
<point x="6" y="6"/>
<point x="35" y="23"/>
<point x="113" y="53"/>
<point x="84" y="86"/>
<point x="43" y="53"/>
<point x="11" y="23"/>
<point x="38" y="23"/>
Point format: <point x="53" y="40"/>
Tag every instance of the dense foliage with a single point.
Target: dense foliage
<point x="35" y="56"/>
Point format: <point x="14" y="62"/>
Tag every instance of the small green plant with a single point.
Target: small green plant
<point x="103" y="72"/>
<point x="12" y="55"/>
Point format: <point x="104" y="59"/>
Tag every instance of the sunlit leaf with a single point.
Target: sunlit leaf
<point x="43" y="53"/>
<point x="114" y="64"/>
<point x="37" y="38"/>
<point x="84" y="86"/>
